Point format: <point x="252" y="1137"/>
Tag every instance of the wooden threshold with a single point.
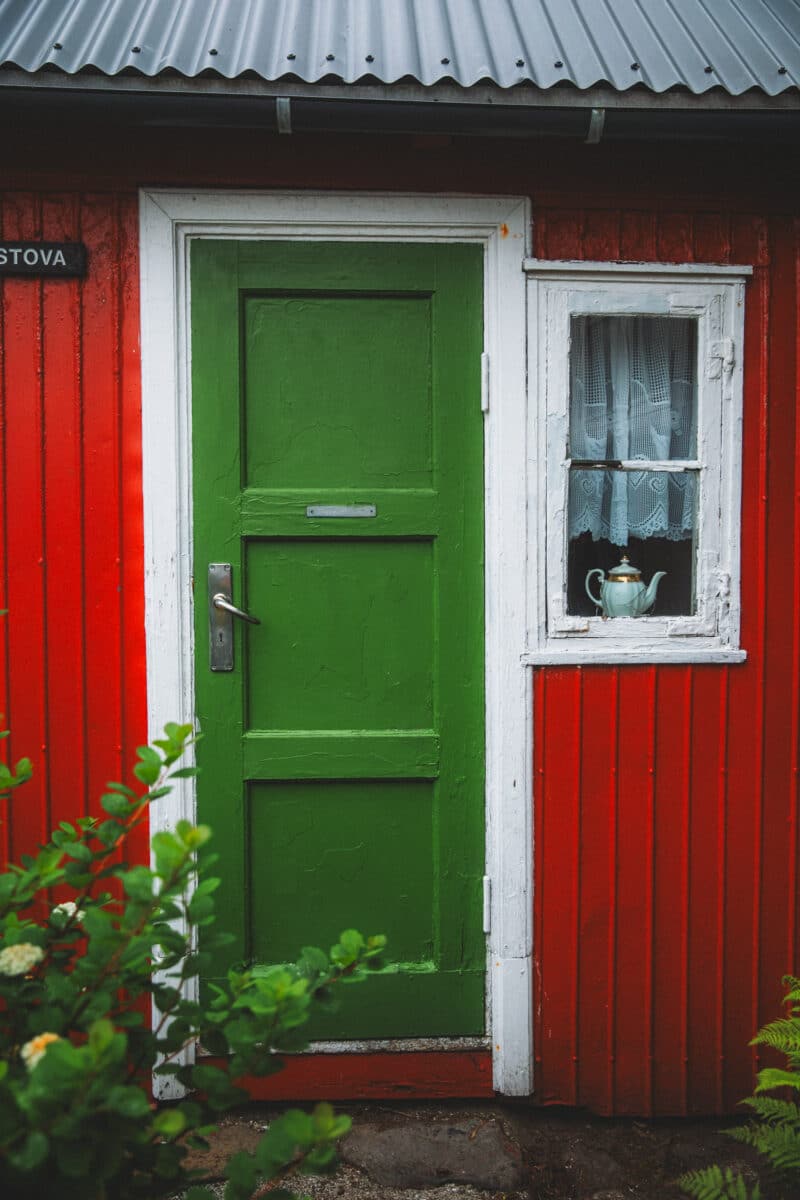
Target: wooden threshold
<point x="409" y="1075"/>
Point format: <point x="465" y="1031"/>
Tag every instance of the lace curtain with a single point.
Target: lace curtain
<point x="632" y="395"/>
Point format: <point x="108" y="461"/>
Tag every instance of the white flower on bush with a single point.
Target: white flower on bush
<point x="68" y="911"/>
<point x="34" y="1050"/>
<point x="18" y="959"/>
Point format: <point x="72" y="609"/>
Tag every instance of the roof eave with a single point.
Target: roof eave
<point x="484" y="94"/>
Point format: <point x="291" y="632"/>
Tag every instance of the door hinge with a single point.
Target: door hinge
<point x="720" y="358"/>
<point x="487" y="904"/>
<point x="484" y="382"/>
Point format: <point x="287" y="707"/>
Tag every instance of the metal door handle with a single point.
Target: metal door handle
<point x="219" y="600"/>
<point x="221" y="611"/>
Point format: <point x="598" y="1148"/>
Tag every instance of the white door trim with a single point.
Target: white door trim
<point x="169" y="219"/>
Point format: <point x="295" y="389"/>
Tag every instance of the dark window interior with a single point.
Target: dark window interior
<point x="675" y="596"/>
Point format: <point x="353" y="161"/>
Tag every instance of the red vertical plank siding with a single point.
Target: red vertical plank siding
<point x="539" y="741"/>
<point x="131" y="546"/>
<point x="638" y="236"/>
<point x="634" y="865"/>
<point x="779" y="437"/>
<point x="5" y="802"/>
<point x="562" y="233"/>
<point x="746" y="734"/>
<point x="71" y="396"/>
<point x="25" y="546"/>
<point x="601" y="235"/>
<point x="712" y="239"/>
<point x="559" y="844"/>
<point x="102" y="512"/>
<point x="793" y="931"/>
<point x="675" y="237"/>
<point x="704" y="872"/>
<point x="672" y="766"/>
<point x="595" y="1047"/>
<point x="709" y="732"/>
<point x="63" y="500"/>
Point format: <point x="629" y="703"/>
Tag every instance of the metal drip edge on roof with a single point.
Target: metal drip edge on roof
<point x="483" y="110"/>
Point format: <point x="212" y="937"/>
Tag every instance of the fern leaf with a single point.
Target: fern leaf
<point x="775" y="1077"/>
<point x="793" y="984"/>
<point x="769" y="1108"/>
<point x="780" y="1144"/>
<point x="748" y="1135"/>
<point x="713" y="1183"/>
<point x="783" y="1034"/>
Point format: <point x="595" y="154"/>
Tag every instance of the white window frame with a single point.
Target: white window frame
<point x="714" y="297"/>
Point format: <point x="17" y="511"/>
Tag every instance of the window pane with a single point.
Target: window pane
<point x="665" y="542"/>
<point x="633" y="388"/>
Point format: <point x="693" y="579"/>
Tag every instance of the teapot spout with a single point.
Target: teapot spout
<point x="652" y="588"/>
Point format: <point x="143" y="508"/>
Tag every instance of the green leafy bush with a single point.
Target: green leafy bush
<point x="76" y="979"/>
<point x="775" y="1130"/>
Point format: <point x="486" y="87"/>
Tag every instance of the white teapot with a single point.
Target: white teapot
<point x="622" y="593"/>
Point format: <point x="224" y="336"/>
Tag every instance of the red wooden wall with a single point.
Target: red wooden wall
<point x="72" y="644"/>
<point x="665" y="797"/>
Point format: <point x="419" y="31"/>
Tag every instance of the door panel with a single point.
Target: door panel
<point x="322" y="424"/>
<point x="365" y="611"/>
<point x="334" y="822"/>
<point x="342" y="758"/>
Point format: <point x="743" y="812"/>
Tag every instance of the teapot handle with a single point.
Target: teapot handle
<point x="589" y="574"/>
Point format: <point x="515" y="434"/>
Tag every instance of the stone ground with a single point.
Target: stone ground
<point x="493" y="1151"/>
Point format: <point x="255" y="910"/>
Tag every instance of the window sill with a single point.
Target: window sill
<point x="584" y="656"/>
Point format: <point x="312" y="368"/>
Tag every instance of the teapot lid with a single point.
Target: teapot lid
<point x="625" y="572"/>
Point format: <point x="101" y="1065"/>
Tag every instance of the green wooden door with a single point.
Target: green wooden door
<point x="342" y="757"/>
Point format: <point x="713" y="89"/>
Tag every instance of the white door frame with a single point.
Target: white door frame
<point x="169" y="219"/>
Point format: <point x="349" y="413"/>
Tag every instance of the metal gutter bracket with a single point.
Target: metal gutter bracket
<point x="283" y="114"/>
<point x="597" y="120"/>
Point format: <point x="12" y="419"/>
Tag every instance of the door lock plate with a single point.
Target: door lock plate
<point x="220" y="623"/>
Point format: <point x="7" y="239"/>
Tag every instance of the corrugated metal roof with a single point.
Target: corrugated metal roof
<point x="661" y="44"/>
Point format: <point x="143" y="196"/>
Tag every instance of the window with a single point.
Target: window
<point x="636" y="420"/>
